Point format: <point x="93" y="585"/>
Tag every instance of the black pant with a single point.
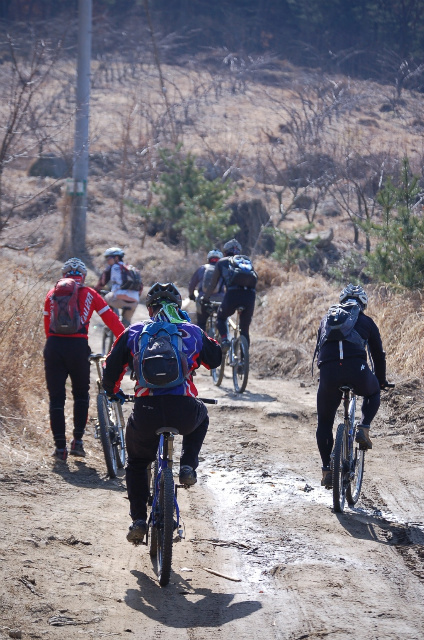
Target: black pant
<point x="233" y="299"/>
<point x="184" y="413"/>
<point x="332" y="375"/>
<point x="65" y="357"/>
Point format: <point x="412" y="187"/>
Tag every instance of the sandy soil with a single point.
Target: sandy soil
<point x="257" y="515"/>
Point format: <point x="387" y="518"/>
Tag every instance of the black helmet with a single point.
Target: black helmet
<point x="354" y="292"/>
<point x="232" y="247"/>
<point x="166" y="291"/>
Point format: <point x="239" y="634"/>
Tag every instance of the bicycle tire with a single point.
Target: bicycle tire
<point x="153" y="530"/>
<point x="218" y="373"/>
<point x="353" y="489"/>
<point x="107" y="341"/>
<point x="120" y="451"/>
<point x="105" y="427"/>
<point x="241" y="370"/>
<point x="339" y="470"/>
<point x="166" y="528"/>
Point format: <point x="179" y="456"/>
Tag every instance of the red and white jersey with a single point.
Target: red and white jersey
<point x="88" y="302"/>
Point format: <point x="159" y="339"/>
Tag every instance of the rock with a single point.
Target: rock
<point x="323" y="238"/>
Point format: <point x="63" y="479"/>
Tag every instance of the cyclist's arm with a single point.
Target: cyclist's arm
<point x="194" y="281"/>
<point x="110" y="318"/>
<point x="210" y="354"/>
<point x="116" y="364"/>
<point x="377" y="353"/>
<point x="47" y="313"/>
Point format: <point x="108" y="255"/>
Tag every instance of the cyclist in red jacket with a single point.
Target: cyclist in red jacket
<point x="66" y="353"/>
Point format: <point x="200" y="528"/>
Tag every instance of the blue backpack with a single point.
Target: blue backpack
<point x="160" y="362"/>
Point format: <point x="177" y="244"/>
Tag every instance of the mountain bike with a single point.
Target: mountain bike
<point x="237" y="356"/>
<point x="348" y="458"/>
<point x="110" y="426"/>
<point x="164" y="517"/>
<point x="107" y="335"/>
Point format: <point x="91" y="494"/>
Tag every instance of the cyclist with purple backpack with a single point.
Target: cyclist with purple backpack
<point x="163" y="354"/>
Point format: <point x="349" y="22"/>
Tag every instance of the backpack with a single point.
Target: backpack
<point x="65" y="316"/>
<point x="131" y="277"/>
<point x="241" y="273"/>
<point x="160" y="362"/>
<point x="207" y="277"/>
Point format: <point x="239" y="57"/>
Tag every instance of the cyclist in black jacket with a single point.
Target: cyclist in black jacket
<point x="235" y="296"/>
<point x="352" y="369"/>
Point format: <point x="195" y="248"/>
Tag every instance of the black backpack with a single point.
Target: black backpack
<point x="131" y="278"/>
<point x="339" y="325"/>
<point x="241" y="273"/>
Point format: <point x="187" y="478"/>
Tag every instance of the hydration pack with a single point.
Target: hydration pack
<point x="65" y="316"/>
<point x="160" y="362"/>
<point x="241" y="273"/>
<point x="131" y="278"/>
<point x="207" y="278"/>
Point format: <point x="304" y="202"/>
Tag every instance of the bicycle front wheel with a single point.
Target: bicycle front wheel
<point x="340" y="469"/>
<point x="353" y="489"/>
<point x="240" y="364"/>
<point x="119" y="443"/>
<point x="107" y="341"/>
<point x="218" y="373"/>
<point x="154" y="529"/>
<point x="106" y="429"/>
<point x="166" y="526"/>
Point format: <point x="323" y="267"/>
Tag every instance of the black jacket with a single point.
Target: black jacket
<point x="368" y="330"/>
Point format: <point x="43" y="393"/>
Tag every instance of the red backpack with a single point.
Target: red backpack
<point x="65" y="316"/>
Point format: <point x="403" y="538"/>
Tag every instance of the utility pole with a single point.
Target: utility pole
<point x="81" y="144"/>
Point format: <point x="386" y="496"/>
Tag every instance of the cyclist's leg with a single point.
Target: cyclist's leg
<point x="328" y="401"/>
<point x="227" y="308"/>
<point x="366" y="385"/>
<point x="128" y="310"/>
<point x="79" y="371"/>
<point x="201" y="318"/>
<point x="56" y="373"/>
<point x="142" y="443"/>
<point x="247" y="300"/>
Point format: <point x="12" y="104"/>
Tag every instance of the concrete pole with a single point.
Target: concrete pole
<point x="81" y="145"/>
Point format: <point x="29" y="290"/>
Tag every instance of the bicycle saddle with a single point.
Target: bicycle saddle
<point x="240" y="309"/>
<point x="346" y="387"/>
<point x="174" y="432"/>
<point x="96" y="356"/>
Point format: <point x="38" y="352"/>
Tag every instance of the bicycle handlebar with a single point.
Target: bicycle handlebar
<point x="131" y="398"/>
<point x="389" y="385"/>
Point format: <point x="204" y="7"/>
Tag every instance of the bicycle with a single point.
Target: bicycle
<point x="164" y="516"/>
<point x="211" y="330"/>
<point x="348" y="458"/>
<point x="107" y="336"/>
<point x="237" y="356"/>
<point x="110" y="427"/>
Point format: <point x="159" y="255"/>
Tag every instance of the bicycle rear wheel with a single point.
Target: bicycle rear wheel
<point x="107" y="433"/>
<point x="166" y="526"/>
<point x="154" y="530"/>
<point x="241" y="364"/>
<point x="340" y="469"/>
<point x="353" y="489"/>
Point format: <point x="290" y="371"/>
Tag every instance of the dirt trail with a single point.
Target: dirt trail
<point x="257" y="514"/>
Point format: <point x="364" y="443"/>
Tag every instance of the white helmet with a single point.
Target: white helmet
<point x="215" y="254"/>
<point x="354" y="292"/>
<point x="75" y="267"/>
<point x="114" y="251"/>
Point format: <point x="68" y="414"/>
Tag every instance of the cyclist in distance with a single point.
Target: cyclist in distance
<point x="173" y="406"/>
<point x="67" y="312"/>
<point x="240" y="291"/>
<point x="200" y="280"/>
<point x="345" y="363"/>
<point x="118" y="298"/>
